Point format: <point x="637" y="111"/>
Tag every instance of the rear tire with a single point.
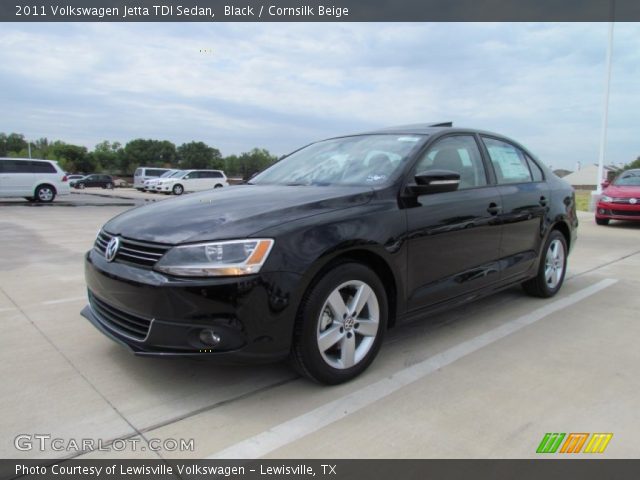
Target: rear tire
<point x="340" y="325"/>
<point x="45" y="194"/>
<point x="218" y="186"/>
<point x="177" y="189"/>
<point x="110" y="186"/>
<point x="552" y="269"/>
<point x="602" y="221"/>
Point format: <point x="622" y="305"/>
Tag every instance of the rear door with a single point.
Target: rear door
<point x="453" y="237"/>
<point x="525" y="198"/>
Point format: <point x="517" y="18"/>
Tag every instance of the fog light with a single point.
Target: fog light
<point x="602" y="211"/>
<point x="209" y="337"/>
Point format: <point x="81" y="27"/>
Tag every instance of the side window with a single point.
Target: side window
<point x="15" y="166"/>
<point x="42" y="167"/>
<point x="536" y="171"/>
<point x="508" y="161"/>
<point x="206" y="174"/>
<point x="458" y="153"/>
<point x="216" y="174"/>
<point x="138" y="172"/>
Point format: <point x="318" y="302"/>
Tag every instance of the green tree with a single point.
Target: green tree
<point x="199" y="155"/>
<point x="634" y="164"/>
<point x="11" y="145"/>
<point x="107" y="156"/>
<point x="72" y="158"/>
<point x="252" y="162"/>
<point x="148" y="153"/>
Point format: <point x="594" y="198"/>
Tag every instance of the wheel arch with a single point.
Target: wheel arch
<point x="365" y="257"/>
<point x="45" y="184"/>
<point x="563" y="228"/>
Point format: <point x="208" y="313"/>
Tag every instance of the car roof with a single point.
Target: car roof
<point x="29" y="159"/>
<point x="427" y="129"/>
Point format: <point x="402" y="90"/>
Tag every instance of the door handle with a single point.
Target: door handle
<point x="543" y="201"/>
<point x="494" y="209"/>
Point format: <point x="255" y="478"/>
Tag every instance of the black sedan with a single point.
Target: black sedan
<point x="317" y="256"/>
<point x="94" y="180"/>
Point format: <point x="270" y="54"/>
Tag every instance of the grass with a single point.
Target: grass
<point x="583" y="197"/>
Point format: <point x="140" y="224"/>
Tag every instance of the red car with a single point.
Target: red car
<point x="621" y="199"/>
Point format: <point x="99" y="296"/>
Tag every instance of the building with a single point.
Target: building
<point x="585" y="178"/>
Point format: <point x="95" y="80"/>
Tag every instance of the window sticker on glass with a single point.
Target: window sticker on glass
<point x="408" y="139"/>
<point x="510" y="162"/>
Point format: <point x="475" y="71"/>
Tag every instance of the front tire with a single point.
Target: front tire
<point x="177" y="189"/>
<point x="602" y="221"/>
<point x="552" y="269"/>
<point x="340" y="324"/>
<point x="45" y="194"/>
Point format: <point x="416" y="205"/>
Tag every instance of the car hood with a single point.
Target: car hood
<point x="232" y="212"/>
<point x="622" y="191"/>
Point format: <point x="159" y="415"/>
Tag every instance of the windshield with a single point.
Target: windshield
<point x="177" y="173"/>
<point x="168" y="173"/>
<point x="631" y="178"/>
<point x="359" y="160"/>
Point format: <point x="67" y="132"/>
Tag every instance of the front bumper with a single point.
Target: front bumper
<point x="156" y="315"/>
<point x="618" y="211"/>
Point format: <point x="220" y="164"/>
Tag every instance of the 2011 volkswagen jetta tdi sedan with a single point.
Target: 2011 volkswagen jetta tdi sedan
<point x="318" y="255"/>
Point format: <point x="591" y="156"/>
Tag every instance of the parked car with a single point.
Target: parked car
<point x="34" y="179"/>
<point x="322" y="252"/>
<point x="150" y="185"/>
<point x="146" y="173"/>
<point x="621" y="199"/>
<point x="94" y="180"/>
<point x="192" y="181"/>
<point x="74" y="178"/>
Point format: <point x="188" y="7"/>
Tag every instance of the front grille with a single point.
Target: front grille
<point x="122" y="322"/>
<point x="622" y="200"/>
<point x="134" y="252"/>
<point x="626" y="213"/>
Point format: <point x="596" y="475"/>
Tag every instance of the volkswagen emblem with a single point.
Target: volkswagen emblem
<point x="633" y="201"/>
<point x="112" y="249"/>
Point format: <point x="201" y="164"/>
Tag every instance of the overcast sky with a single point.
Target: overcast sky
<point x="279" y="86"/>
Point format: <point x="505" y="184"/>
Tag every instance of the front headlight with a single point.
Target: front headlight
<point x="606" y="198"/>
<point x="216" y="259"/>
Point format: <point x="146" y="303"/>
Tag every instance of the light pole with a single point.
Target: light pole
<point x="605" y="113"/>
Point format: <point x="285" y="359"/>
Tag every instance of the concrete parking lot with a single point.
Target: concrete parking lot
<point x="484" y="381"/>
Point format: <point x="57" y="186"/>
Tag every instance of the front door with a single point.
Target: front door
<point x="453" y="237"/>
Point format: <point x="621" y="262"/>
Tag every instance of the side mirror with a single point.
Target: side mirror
<point x="434" y="181"/>
<point x="605" y="184"/>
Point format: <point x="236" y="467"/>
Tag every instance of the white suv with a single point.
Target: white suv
<point x="35" y="180"/>
<point x="192" y="181"/>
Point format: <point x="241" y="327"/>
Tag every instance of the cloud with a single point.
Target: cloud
<point x="236" y="86"/>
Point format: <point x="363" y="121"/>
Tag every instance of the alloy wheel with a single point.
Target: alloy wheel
<point x="554" y="264"/>
<point x="348" y="324"/>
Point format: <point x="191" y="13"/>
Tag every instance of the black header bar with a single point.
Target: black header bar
<point x="320" y="11"/>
